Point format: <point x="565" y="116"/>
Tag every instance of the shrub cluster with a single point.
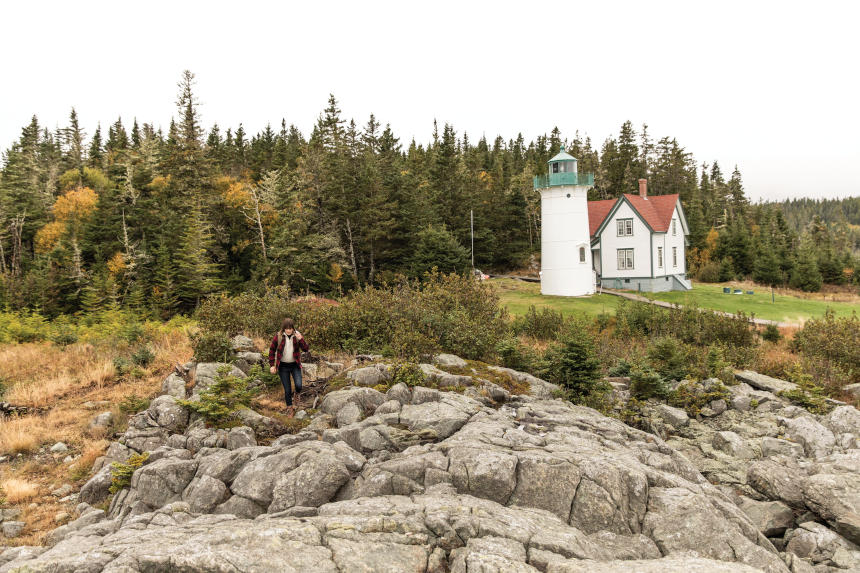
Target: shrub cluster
<point x="687" y="324"/>
<point x="121" y="472"/>
<point x="405" y="318"/>
<point x="220" y="402"/>
<point x="833" y="341"/>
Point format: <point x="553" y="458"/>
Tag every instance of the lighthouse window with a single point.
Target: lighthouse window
<point x="581" y="254"/>
<point x="555" y="167"/>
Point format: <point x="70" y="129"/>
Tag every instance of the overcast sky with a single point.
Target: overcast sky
<point x="769" y="86"/>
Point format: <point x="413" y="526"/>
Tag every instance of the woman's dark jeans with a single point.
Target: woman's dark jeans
<point x="284" y="371"/>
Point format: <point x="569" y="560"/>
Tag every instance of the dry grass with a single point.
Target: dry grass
<point x="59" y="387"/>
<point x="20" y="435"/>
<point x="18" y="490"/>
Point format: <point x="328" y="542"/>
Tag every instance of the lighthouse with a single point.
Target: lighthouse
<point x="566" y="263"/>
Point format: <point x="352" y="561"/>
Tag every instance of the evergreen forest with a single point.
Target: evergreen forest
<point x="131" y="217"/>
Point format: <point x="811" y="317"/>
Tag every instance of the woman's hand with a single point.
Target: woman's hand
<point x="272" y="370"/>
<point x="299" y="335"/>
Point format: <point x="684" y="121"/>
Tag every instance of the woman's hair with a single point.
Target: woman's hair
<point x="288" y="323"/>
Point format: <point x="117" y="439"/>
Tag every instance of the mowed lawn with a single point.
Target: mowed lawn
<point x="784" y="308"/>
<point x="517" y="296"/>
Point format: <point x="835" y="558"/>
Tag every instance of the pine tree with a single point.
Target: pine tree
<point x="197" y="273"/>
<point x="95" y="155"/>
<point x="806" y="275"/>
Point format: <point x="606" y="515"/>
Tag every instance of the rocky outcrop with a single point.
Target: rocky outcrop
<point x="418" y="479"/>
<point x="422" y="479"/>
<point x="781" y="464"/>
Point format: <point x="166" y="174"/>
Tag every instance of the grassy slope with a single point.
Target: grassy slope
<point x="786" y="308"/>
<point x="518" y="295"/>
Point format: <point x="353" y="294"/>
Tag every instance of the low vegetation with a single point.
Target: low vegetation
<point x="219" y="403"/>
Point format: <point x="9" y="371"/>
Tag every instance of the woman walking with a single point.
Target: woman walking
<point x="285" y="358"/>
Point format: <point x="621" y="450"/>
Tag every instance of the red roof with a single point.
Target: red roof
<point x="597" y="212"/>
<point x="656" y="210"/>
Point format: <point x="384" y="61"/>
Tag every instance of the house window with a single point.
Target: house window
<point x="555" y="167"/>
<point x="581" y="254"/>
<point x="625" y="227"/>
<point x="660" y="257"/>
<point x="674" y="230"/>
<point x="674" y="256"/>
<point x="625" y="259"/>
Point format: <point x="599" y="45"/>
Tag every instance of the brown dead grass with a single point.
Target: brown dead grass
<point x="20" y="435"/>
<point x="18" y="490"/>
<point x="59" y="388"/>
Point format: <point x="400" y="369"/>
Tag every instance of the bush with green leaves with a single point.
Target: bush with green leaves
<point x="514" y="354"/>
<point x="771" y="333"/>
<point x="647" y="383"/>
<point x="621" y="368"/>
<point x="211" y="346"/>
<point x="261" y="372"/>
<point x="404" y="318"/>
<point x="132" y="404"/>
<point x="142" y="356"/>
<point x="693" y="396"/>
<point x="219" y="403"/>
<point x="63" y="331"/>
<point x="543" y="324"/>
<point x="572" y="363"/>
<point x="121" y="472"/>
<point x="687" y="324"/>
<point x="669" y="358"/>
<point x="834" y="340"/>
<point x="404" y="372"/>
<point x="808" y="394"/>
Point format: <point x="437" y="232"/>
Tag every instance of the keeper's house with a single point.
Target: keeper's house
<point x="637" y="242"/>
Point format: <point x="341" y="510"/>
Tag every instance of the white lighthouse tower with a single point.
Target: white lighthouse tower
<point x="566" y="266"/>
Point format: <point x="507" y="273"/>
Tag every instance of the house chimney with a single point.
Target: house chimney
<point x="643" y="188"/>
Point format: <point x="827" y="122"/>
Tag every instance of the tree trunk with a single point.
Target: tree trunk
<point x="351" y="249"/>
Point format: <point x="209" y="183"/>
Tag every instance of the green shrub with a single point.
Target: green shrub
<point x="211" y="346"/>
<point x="572" y="362"/>
<point x="771" y="333"/>
<point x="516" y="355"/>
<point x="709" y="272"/>
<point x="23" y="327"/>
<point x="219" y="403"/>
<point x="646" y="383"/>
<point x="687" y="324"/>
<point x="693" y="396"/>
<point x="132" y="404"/>
<point x="543" y="325"/>
<point x="833" y="340"/>
<point x="406" y="318"/>
<point x="408" y="373"/>
<point x="121" y="472"/>
<point x="132" y="332"/>
<point x="668" y="358"/>
<point x="121" y="365"/>
<point x="63" y="332"/>
<point x="261" y="372"/>
<point x="621" y="368"/>
<point x="143" y="356"/>
<point x="807" y="394"/>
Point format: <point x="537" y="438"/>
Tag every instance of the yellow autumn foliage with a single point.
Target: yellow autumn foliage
<point x="116" y="264"/>
<point x="76" y="205"/>
<point x="48" y="236"/>
<point x="237" y="195"/>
